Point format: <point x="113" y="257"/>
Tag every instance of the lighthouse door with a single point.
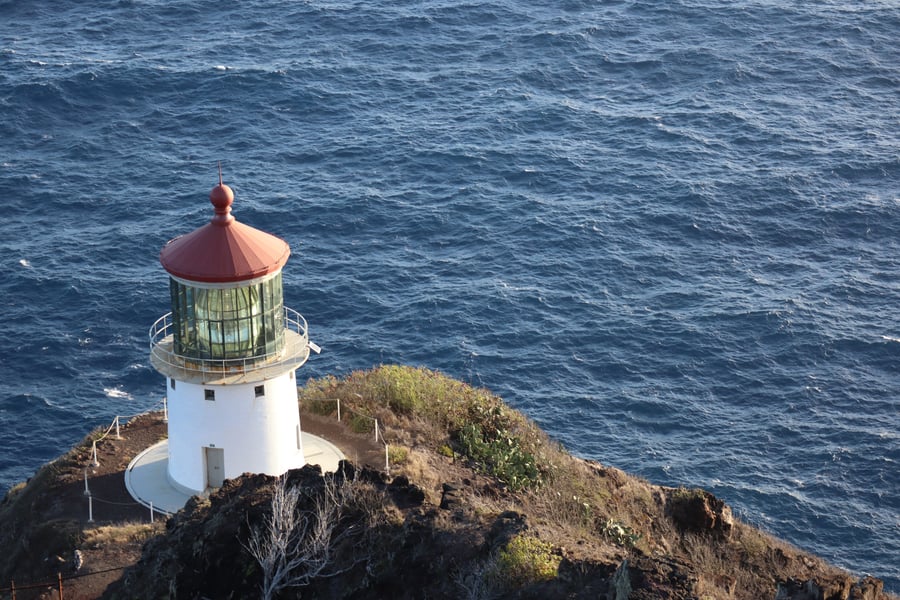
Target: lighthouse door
<point x="215" y="467"/>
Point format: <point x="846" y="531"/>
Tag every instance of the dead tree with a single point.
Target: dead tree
<point x="294" y="546"/>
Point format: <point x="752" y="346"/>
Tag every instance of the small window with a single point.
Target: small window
<point x="209" y="394"/>
<point x="260" y="391"/>
<point x="172" y="383"/>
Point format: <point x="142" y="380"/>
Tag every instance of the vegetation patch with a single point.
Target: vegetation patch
<point x="361" y="423"/>
<point x="525" y="560"/>
<point x="124" y="533"/>
<point x="397" y="455"/>
<point x="620" y="534"/>
<point x="498" y="440"/>
<point x="501" y="454"/>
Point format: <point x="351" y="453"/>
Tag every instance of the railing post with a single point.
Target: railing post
<point x="59" y="575"/>
<point x="90" y="509"/>
<point x="151" y="511"/>
<point x="376" y="432"/>
<point x="94" y="461"/>
<point x="339" y="408"/>
<point x="87" y="492"/>
<point x="118" y="437"/>
<point x="387" y="460"/>
<point x="165" y="409"/>
<point x="12" y="588"/>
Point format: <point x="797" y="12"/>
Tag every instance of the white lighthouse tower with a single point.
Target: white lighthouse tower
<point x="229" y="350"/>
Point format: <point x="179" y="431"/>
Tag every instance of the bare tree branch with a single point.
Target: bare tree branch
<point x="295" y="546"/>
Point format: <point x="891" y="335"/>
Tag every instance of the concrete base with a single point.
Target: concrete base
<point x="147" y="476"/>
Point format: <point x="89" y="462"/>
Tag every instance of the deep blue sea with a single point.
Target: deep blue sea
<point x="669" y="232"/>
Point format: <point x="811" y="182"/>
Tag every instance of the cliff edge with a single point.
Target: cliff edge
<point x="475" y="502"/>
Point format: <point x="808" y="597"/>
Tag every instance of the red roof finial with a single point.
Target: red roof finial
<point x="221" y="198"/>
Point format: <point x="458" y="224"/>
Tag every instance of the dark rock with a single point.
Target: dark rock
<point x="406" y="494"/>
<point x="867" y="588"/>
<point x="508" y="525"/>
<point x="701" y="512"/>
<point x="450" y="497"/>
<point x="794" y="589"/>
<point x="620" y="583"/>
<point x="660" y="578"/>
<point x="841" y="588"/>
<point x="346" y="469"/>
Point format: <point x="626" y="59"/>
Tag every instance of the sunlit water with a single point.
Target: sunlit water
<point x="667" y="231"/>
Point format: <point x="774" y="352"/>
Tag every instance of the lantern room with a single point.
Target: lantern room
<point x="229" y="349"/>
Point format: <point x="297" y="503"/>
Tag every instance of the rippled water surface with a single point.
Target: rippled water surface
<point x="667" y="231"/>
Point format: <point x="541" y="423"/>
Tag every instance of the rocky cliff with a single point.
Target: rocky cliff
<point x="477" y="502"/>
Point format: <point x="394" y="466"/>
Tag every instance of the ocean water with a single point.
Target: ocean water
<point x="666" y="231"/>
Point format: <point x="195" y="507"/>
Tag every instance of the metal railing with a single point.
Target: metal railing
<point x="164" y="358"/>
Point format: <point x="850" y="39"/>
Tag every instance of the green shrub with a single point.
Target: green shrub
<point x="501" y="454"/>
<point x="398" y="388"/>
<point x="526" y="560"/>
<point x="620" y="534"/>
<point x="499" y="440"/>
<point x="322" y="407"/>
<point x="361" y="423"/>
<point x="397" y="455"/>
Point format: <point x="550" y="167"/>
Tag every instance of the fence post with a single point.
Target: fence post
<point x="376" y="431"/>
<point x="118" y="437"/>
<point x="165" y="409"/>
<point x="151" y="511"/>
<point x="59" y="575"/>
<point x="339" y="408"/>
<point x="90" y="509"/>
<point x="87" y="492"/>
<point x="387" y="460"/>
<point x="12" y="588"/>
<point x="94" y="461"/>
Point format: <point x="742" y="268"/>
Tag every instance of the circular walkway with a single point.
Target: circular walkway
<point x="147" y="480"/>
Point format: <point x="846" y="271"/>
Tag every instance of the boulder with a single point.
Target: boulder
<point x="700" y="512"/>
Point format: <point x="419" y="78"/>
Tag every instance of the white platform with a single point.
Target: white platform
<point x="147" y="481"/>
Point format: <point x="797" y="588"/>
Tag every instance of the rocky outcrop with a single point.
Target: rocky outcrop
<point x="699" y="511"/>
<point x="643" y="578"/>
<point x="867" y="588"/>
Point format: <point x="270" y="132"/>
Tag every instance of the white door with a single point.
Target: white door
<point x="215" y="467"/>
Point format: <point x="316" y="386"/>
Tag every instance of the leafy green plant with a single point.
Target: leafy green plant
<point x="500" y="454"/>
<point x="525" y="560"/>
<point x="620" y="534"/>
<point x="361" y="423"/>
<point x="397" y="454"/>
<point x="323" y="406"/>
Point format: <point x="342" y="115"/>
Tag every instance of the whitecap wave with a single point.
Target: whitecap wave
<point x="117" y="393"/>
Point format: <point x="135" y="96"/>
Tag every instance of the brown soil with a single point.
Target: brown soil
<point x="67" y="504"/>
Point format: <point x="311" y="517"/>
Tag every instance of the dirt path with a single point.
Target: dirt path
<point x="112" y="505"/>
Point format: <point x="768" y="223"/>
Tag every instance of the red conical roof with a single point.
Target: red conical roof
<point x="224" y="250"/>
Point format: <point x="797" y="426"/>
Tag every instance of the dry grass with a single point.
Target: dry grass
<point x="445" y="427"/>
<point x="122" y="533"/>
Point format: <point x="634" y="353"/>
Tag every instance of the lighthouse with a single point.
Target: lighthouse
<point x="229" y="350"/>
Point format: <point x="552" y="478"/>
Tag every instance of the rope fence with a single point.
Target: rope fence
<point x="377" y="426"/>
<point x="94" y="462"/>
<point x="58" y="583"/>
<point x="115" y="426"/>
